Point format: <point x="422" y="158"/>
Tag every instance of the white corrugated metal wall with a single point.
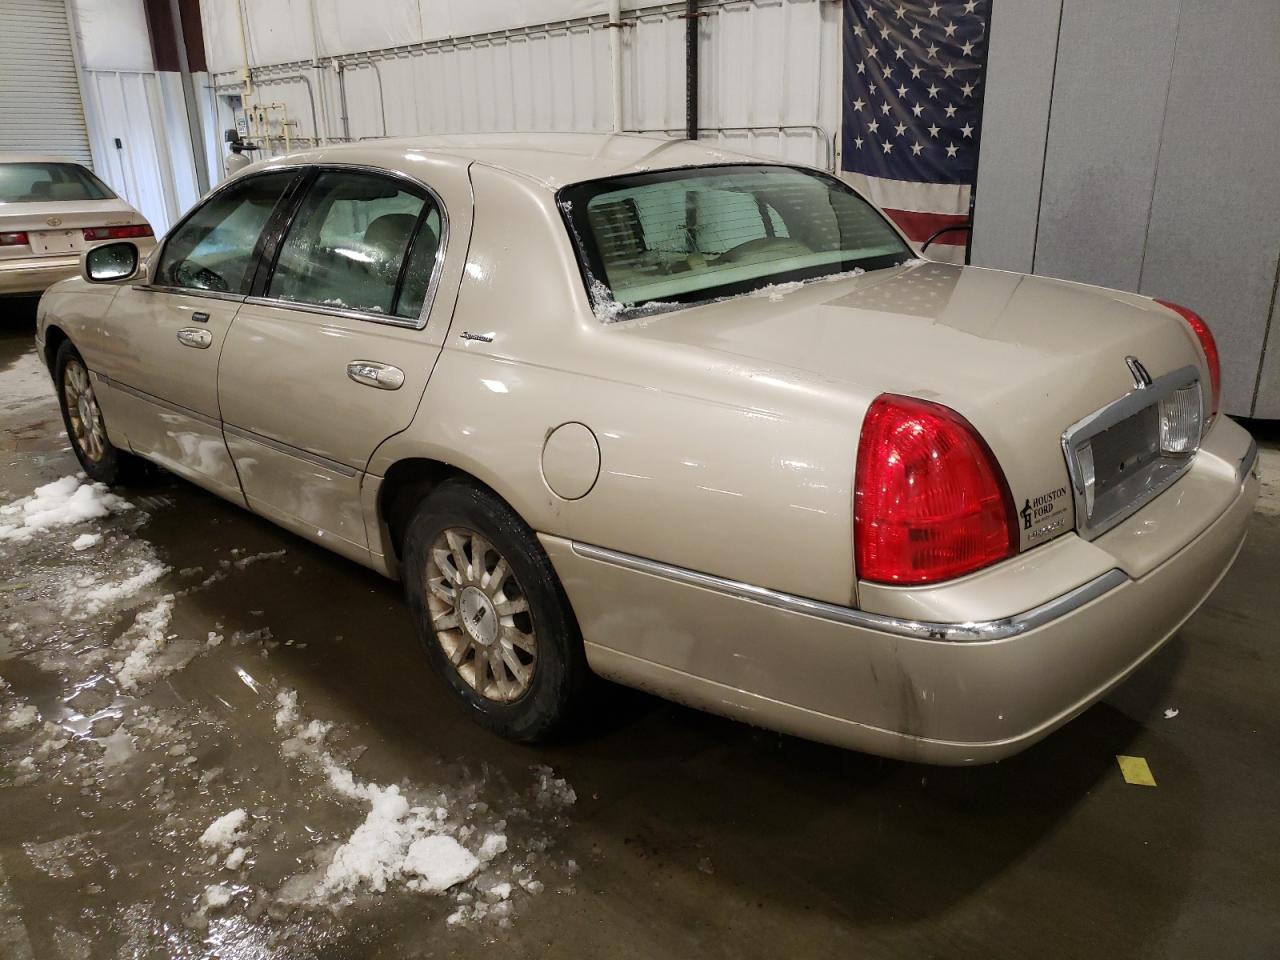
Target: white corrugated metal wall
<point x="769" y="71"/>
<point x="40" y="108"/>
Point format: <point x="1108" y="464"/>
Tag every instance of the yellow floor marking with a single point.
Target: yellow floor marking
<point x="1135" y="770"/>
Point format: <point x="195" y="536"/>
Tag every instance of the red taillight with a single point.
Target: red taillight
<point x="13" y="239"/>
<point x="118" y="233"/>
<point x="930" y="501"/>
<point x="1210" y="347"/>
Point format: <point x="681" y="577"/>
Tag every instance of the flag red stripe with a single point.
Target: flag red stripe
<point x="919" y="227"/>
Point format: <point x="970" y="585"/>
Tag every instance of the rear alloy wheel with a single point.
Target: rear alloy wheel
<point x="491" y="614"/>
<point x="480" y="615"/>
<point x="83" y="419"/>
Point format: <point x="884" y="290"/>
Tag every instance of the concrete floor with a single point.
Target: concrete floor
<point x="691" y="836"/>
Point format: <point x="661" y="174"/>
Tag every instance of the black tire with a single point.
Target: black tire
<point x="113" y="465"/>
<point x="560" y="679"/>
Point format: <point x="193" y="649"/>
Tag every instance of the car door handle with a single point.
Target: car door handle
<point x="195" y="337"/>
<point x="199" y="317"/>
<point x="374" y="374"/>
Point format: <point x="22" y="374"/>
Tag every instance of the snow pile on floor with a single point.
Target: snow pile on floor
<point x="85" y="541"/>
<point x="58" y="504"/>
<point x="144" y="641"/>
<point x="418" y="845"/>
<point x="89" y="597"/>
<point x="224" y="833"/>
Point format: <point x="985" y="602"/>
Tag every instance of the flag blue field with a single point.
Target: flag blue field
<point x="912" y="110"/>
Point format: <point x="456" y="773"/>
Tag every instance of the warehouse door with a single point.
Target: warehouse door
<point x="40" y="108"/>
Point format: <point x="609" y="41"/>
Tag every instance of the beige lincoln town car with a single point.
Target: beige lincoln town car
<point x="51" y="210"/>
<point x="698" y="423"/>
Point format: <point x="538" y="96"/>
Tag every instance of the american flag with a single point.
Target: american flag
<point x="913" y="110"/>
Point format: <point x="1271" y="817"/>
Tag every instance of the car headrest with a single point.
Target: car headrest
<point x="390" y="232"/>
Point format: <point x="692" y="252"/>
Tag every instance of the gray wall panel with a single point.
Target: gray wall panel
<point x="1215" y="219"/>
<point x="1015" y="122"/>
<point x="1114" y="62"/>
<point x="1267" y="403"/>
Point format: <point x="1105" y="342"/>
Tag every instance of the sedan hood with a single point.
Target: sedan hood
<point x="1021" y="357"/>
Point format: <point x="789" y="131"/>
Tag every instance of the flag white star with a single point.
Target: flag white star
<point x="916" y="149"/>
<point x="950" y="29"/>
<point x="918" y="109"/>
<point x="902" y="13"/>
<point x="862" y="67"/>
<point x="951" y="110"/>
<point x="874" y="54"/>
<point x="916" y="31"/>
<point x="935" y="10"/>
<point x="934" y="130"/>
<point x="900" y="129"/>
<point x="885" y="108"/>
<point x="916" y="71"/>
<point x="888" y="147"/>
<point x="952" y="149"/>
<point x="967" y="89"/>
<point x="859" y="104"/>
<point x="857" y="142"/>
<point x="933" y="91"/>
<point x="888" y="71"/>
<point x="933" y="51"/>
<point x="884" y="31"/>
<point x="967" y="130"/>
<point x="900" y="53"/>
<point x="967" y="48"/>
<point x="858" y="30"/>
<point x="873" y="126"/>
<point x="971" y="6"/>
<point x="902" y="90"/>
<point x="949" y="70"/>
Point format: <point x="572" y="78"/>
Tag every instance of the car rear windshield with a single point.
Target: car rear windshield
<point x="696" y="234"/>
<point x="46" y="182"/>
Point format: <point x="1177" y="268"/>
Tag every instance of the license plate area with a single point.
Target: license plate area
<point x="1127" y="453"/>
<point x="53" y="242"/>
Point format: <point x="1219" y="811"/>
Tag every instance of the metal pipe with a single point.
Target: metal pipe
<point x="247" y="76"/>
<point x="691" y="69"/>
<point x="315" y="125"/>
<point x="615" y="60"/>
<point x="194" y="128"/>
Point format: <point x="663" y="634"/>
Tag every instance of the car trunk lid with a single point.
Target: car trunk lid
<point x="56" y="228"/>
<point x="1022" y="358"/>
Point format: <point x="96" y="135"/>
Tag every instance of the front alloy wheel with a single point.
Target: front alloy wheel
<point x="83" y="416"/>
<point x="481" y="615"/>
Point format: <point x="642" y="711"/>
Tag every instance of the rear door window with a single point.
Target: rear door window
<point x="28" y="182"/>
<point x="362" y="242"/>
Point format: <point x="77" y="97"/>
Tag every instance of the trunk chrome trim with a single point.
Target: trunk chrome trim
<point x="1085" y="429"/>
<point x="332" y="465"/>
<point x="977" y="631"/>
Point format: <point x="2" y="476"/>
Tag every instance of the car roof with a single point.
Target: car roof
<point x="15" y="157"/>
<point x="551" y="159"/>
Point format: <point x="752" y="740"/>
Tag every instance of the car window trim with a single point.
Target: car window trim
<point x="437" y="269"/>
<point x="164" y="241"/>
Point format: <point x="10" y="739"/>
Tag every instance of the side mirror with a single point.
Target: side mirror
<point x="110" y="262"/>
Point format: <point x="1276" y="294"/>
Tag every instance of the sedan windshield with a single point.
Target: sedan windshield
<point x="686" y="236"/>
<point x="46" y="182"/>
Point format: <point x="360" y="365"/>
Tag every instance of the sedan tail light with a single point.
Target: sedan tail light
<point x="13" y="239"/>
<point x="930" y="501"/>
<point x="119" y="233"/>
<point x="1210" y="347"/>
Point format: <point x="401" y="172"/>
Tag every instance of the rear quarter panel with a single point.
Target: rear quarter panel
<point x="742" y="470"/>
